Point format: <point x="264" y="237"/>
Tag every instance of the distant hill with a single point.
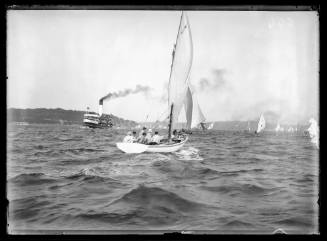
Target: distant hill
<point x="71" y="117"/>
<point x="57" y="116"/>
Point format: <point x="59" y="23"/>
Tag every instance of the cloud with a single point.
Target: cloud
<point x="218" y="81"/>
<point x="164" y="97"/>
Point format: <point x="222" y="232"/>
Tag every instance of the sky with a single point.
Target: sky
<point x="244" y="62"/>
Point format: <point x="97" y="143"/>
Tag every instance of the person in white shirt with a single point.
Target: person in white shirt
<point x="129" y="137"/>
<point x="156" y="138"/>
<point x="134" y="136"/>
<point x="148" y="136"/>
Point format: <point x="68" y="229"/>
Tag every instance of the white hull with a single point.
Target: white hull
<point x="131" y="147"/>
<point x="139" y="148"/>
<point x="87" y="121"/>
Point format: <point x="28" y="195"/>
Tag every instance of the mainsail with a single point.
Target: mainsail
<point x="180" y="69"/>
<point x="261" y="124"/>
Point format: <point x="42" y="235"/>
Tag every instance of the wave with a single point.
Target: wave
<point x="76" y="138"/>
<point x="80" y="150"/>
<point x="90" y="175"/>
<point x="49" y="152"/>
<point x="306" y="179"/>
<point x="192" y="172"/>
<point x="107" y="217"/>
<point x="236" y="173"/>
<point x="190" y="154"/>
<point x="25" y="208"/>
<point x="295" y="221"/>
<point x="130" y="218"/>
<point x="238" y="224"/>
<point x="81" y="161"/>
<point x="143" y="205"/>
<point x="155" y="198"/>
<point x="239" y="188"/>
<point x="39" y="147"/>
<point x="31" y="179"/>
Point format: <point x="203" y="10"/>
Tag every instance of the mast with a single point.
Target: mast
<point x="172" y="62"/>
<point x="171" y="68"/>
<point x="170" y="122"/>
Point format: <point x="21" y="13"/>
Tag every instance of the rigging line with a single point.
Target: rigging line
<point x="163" y="113"/>
<point x="190" y="36"/>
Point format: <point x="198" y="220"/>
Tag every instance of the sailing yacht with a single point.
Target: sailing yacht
<point x="277" y="129"/>
<point x="290" y="129"/>
<point x="178" y="92"/>
<point x="193" y="112"/>
<point x="261" y="124"/>
<point x="249" y="127"/>
<point x="314" y="132"/>
<point x="210" y="126"/>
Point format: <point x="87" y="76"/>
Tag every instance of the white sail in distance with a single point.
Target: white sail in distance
<point x="290" y="129"/>
<point x="194" y="115"/>
<point x="277" y="128"/>
<point x="261" y="124"/>
<point x="180" y="69"/>
<point x="314" y="131"/>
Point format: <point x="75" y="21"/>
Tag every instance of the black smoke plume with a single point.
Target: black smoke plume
<point x="218" y="81"/>
<point x="123" y="93"/>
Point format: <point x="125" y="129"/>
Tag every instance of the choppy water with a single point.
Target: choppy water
<point x="68" y="177"/>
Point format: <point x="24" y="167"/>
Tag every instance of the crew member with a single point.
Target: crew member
<point x="141" y="139"/>
<point x="134" y="136"/>
<point x="149" y="136"/>
<point x="128" y="138"/>
<point x="156" y="138"/>
<point x="142" y="131"/>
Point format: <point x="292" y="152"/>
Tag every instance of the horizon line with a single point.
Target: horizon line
<point x="148" y="121"/>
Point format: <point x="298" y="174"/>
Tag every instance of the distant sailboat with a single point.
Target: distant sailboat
<point x="277" y="129"/>
<point x="194" y="114"/>
<point x="314" y="131"/>
<point x="249" y="126"/>
<point x="290" y="129"/>
<point x="210" y="126"/>
<point x="178" y="91"/>
<point x="261" y="124"/>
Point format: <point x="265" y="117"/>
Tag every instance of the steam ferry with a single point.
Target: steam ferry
<point x="95" y="120"/>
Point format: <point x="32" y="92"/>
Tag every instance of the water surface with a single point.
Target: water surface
<point x="72" y="178"/>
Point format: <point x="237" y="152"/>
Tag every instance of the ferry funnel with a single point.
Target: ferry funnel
<point x="100" y="107"/>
